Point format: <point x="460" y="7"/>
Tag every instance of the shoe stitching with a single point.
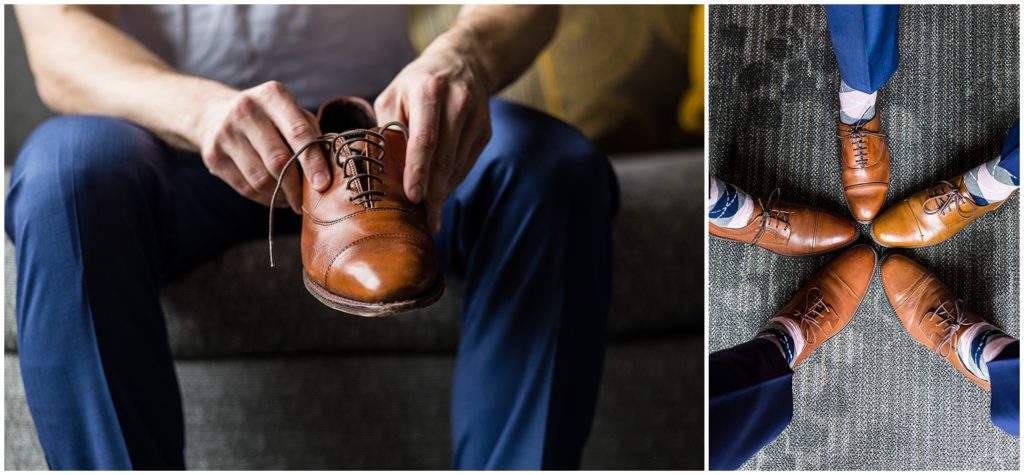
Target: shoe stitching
<point x="409" y="237"/>
<point x="316" y="220"/>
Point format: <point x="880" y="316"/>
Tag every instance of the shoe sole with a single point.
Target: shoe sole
<point x="839" y="248"/>
<point x="381" y="309"/>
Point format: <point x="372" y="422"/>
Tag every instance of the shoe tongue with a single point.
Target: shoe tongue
<point x="344" y="114"/>
<point x="871" y="125"/>
<point x="960" y="186"/>
<point x="362" y="144"/>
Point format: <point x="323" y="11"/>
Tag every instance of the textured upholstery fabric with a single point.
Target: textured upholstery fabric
<point x="871" y="398"/>
<point x="391" y="411"/>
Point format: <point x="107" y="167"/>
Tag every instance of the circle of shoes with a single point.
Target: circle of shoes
<point x="359" y="167"/>
<point x="772" y="220"/>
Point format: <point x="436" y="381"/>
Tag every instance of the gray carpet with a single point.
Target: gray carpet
<point x="871" y="398"/>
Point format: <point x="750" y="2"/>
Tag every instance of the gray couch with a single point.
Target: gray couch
<point x="272" y="379"/>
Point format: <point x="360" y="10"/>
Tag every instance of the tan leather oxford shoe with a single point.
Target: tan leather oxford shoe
<point x="929" y="311"/>
<point x="827" y="302"/>
<point x="791" y="229"/>
<point x="929" y="216"/>
<point x="865" y="161"/>
<point x="366" y="250"/>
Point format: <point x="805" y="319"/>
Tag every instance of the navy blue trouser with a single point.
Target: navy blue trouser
<point x="865" y="39"/>
<point x="751" y="399"/>
<point x="102" y="212"/>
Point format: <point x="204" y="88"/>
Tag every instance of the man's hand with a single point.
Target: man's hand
<point x="246" y="138"/>
<point x="443" y="97"/>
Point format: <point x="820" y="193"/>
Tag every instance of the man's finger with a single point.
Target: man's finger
<point x="249" y="164"/>
<point x="296" y="128"/>
<point x="446" y="161"/>
<point x="476" y="137"/>
<point x="262" y="135"/>
<point x="424" y="116"/>
<point x="229" y="173"/>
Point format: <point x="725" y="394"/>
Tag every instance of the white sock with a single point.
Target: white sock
<point x="855" y="106"/>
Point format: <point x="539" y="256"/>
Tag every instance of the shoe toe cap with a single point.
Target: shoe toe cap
<point x="855" y="266"/>
<point x="899" y="275"/>
<point x="833" y="231"/>
<point x="865" y="201"/>
<point x="896" y="227"/>
<point x="383" y="268"/>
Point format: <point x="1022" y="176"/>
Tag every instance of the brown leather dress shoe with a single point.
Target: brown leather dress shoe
<point x="865" y="161"/>
<point x="929" y="216"/>
<point x="827" y="302"/>
<point x="366" y="250"/>
<point x="791" y="229"/>
<point x="929" y="311"/>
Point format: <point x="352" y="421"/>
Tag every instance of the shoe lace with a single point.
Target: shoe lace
<point x="364" y="171"/>
<point x="955" y="318"/>
<point x="771" y="218"/>
<point x="814" y="309"/>
<point x="858" y="135"/>
<point x="947" y="196"/>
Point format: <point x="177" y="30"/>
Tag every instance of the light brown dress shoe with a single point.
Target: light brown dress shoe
<point x="865" y="161"/>
<point x="791" y="229"/>
<point x="929" y="311"/>
<point x="366" y="250"/>
<point x="827" y="302"/>
<point x="930" y="216"/>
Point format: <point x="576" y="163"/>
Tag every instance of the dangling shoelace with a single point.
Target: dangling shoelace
<point x="814" y="308"/>
<point x="858" y="137"/>
<point x="362" y="173"/>
<point x="955" y="317"/>
<point x="771" y="217"/>
<point x="946" y="196"/>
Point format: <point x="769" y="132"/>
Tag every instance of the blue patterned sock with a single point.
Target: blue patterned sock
<point x="727" y="205"/>
<point x="980" y="344"/>
<point x="781" y="332"/>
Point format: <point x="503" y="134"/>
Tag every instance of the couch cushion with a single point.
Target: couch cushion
<point x="236" y="305"/>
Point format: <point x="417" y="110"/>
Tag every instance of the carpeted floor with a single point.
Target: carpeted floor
<point x="871" y="398"/>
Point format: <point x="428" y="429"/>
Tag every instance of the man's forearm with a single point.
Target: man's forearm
<point x="505" y="39"/>
<point x="84" y="65"/>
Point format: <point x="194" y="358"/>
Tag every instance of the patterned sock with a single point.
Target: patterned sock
<point x="786" y="335"/>
<point x="980" y="344"/>
<point x="727" y="205"/>
<point x="993" y="180"/>
<point x="855" y="107"/>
